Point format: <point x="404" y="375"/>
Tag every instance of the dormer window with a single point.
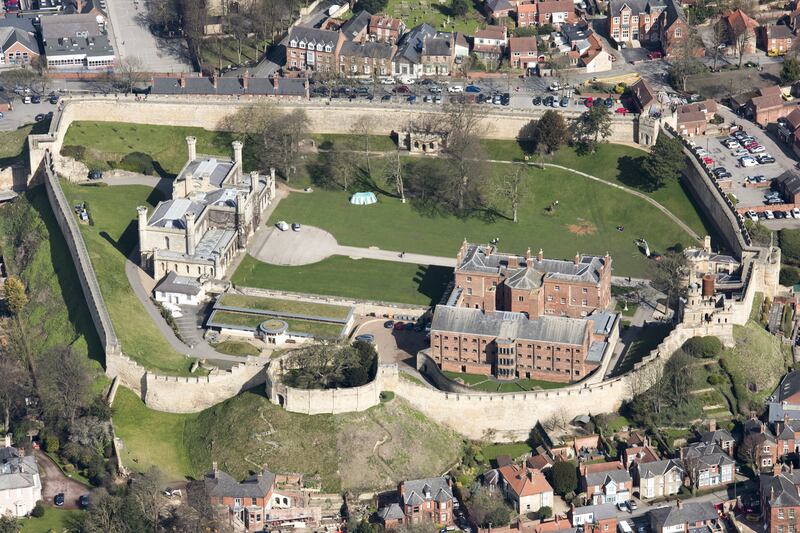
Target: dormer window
<point x="328" y="48"/>
<point x="293" y="43"/>
<point x="319" y="47"/>
<point x="302" y="44"/>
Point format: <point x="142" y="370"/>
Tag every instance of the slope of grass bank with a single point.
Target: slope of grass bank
<point x="109" y="238"/>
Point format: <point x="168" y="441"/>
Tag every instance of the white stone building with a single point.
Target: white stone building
<point x="213" y="211"/>
<point x="20" y="484"/>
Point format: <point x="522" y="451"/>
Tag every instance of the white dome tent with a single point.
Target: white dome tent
<point x="363" y="198"/>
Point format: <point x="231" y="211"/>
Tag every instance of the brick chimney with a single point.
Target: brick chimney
<point x="540" y="255"/>
<point x="528" y="260"/>
<point x="214" y="469"/>
<point x="777" y="468"/>
<point x="712" y="425"/>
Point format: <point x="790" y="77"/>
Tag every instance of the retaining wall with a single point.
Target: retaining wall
<point x="329" y="401"/>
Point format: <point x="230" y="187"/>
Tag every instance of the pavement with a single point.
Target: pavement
<point x="132" y="39"/>
<point x="395" y="346"/>
<point x="54" y="482"/>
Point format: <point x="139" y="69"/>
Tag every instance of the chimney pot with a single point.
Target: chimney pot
<point x="680" y="504"/>
<point x="540" y="255"/>
<point x="214" y="468"/>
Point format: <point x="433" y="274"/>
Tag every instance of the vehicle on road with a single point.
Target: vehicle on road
<point x="389" y="324"/>
<point x="366" y="337"/>
<point x="95" y="174"/>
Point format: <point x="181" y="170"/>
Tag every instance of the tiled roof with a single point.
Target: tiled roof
<point x="313" y="36"/>
<point x="522" y="45"/>
<point x="230" y="86"/>
<point x="555" y="6"/>
<point x="417" y="491"/>
<point x="391" y="512"/>
<point x="596" y="512"/>
<point x="174" y="283"/>
<point x="10" y="35"/>
<point x="738" y="21"/>
<point x="492" y="32"/>
<point x="657" y="468"/>
<point x="356" y="25"/>
<point x="706" y="454"/>
<point x="525" y="481"/>
<point x="637" y="6"/>
<point x="688" y="513"/>
<point x="781" y="490"/>
<point x="17" y="472"/>
<point x="601" y="473"/>
<point x="506" y="325"/>
<point x="221" y="484"/>
<point x="368" y="49"/>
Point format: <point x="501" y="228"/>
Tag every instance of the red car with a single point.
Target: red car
<point x="654" y="55"/>
<point x="401" y="89"/>
<point x="708" y="161"/>
<point x="621" y="111"/>
<point x="588" y="101"/>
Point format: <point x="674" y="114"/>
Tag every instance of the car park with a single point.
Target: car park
<point x="472" y="89"/>
<point x="740" y="152"/>
<point x="769" y="215"/>
<point x="752" y="215"/>
<point x="537" y="100"/>
<point x="747" y="162"/>
<point x="455" y="89"/>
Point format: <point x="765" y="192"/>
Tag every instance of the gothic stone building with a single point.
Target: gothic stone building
<point x="213" y="211"/>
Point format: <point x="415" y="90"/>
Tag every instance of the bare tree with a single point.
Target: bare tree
<point x="128" y="72"/>
<point x="396" y="174"/>
<point x="363" y="130"/>
<point x="462" y="123"/>
<point x="748" y="451"/>
<point x="147" y="495"/>
<point x="719" y="38"/>
<point x="513" y="188"/>
<point x="13" y="386"/>
<point x="105" y="514"/>
<point x="63" y="381"/>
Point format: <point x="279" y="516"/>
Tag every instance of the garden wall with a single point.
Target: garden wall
<point x="330" y="401"/>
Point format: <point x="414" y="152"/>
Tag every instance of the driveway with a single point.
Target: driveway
<point x="394" y="346"/>
<point x="54" y="482"/>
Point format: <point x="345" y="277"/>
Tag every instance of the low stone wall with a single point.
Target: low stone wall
<point x="329" y="401"/>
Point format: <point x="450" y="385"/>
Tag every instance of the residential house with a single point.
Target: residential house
<point x="313" y="49"/>
<point x="784" y="403"/>
<point x="356" y="29"/>
<point x="787" y="433"/>
<point x="17" y="46"/>
<point x="523" y="53"/>
<point x="526" y="488"/>
<point x="386" y="29"/>
<point x="780" y="498"/>
<point x="767" y="107"/>
<point x="75" y="43"/>
<point x="775" y="39"/>
<point x="526" y="14"/>
<point x="672" y="28"/>
<point x="498" y="10"/>
<point x="427" y="500"/>
<point x="555" y="12"/>
<point x="787" y="128"/>
<point x="759" y="442"/>
<point x="683" y="517"/>
<point x="639" y="452"/>
<point x="602" y="518"/>
<point x="247" y="502"/>
<point x="366" y="58"/>
<point x="461" y="46"/>
<point x="489" y="43"/>
<point x="179" y="290"/>
<point x="644" y="98"/>
<point x="720" y="437"/>
<point x="693" y="119"/>
<point x="20" y="484"/>
<point x="391" y="516"/>
<point x="541" y="460"/>
<point x="657" y="479"/>
<point x="634" y="20"/>
<point x="408" y="58"/>
<point x="606" y="482"/>
<point x="595" y="58"/>
<point x="707" y="465"/>
<point x="734" y="25"/>
<point x="438" y="54"/>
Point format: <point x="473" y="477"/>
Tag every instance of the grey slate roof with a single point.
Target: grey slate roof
<point x="417" y="491"/>
<point x="59" y="26"/>
<point x="66" y="46"/>
<point x="17" y="472"/>
<point x="688" y="513"/>
<point x="782" y="489"/>
<point x="637" y="6"/>
<point x="475" y="259"/>
<point x="596" y="351"/>
<point x="356" y="25"/>
<point x="313" y="36"/>
<point x="716" y="437"/>
<point x="438" y="45"/>
<point x="707" y="454"/>
<point x="657" y="468"/>
<point x="790" y="384"/>
<point x="230" y="86"/>
<point x="10" y="35"/>
<point x="410" y="46"/>
<point x="674" y="13"/>
<point x="602" y="477"/>
<point x="499" y="5"/>
<point x="598" y="512"/>
<point x="603" y="322"/>
<point x="221" y="484"/>
<point x="369" y="49"/>
<point x="391" y="512"/>
<point x="507" y="325"/>
<point x="174" y="283"/>
<point x="172" y="213"/>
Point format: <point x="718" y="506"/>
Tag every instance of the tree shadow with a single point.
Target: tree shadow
<point x="632" y="174"/>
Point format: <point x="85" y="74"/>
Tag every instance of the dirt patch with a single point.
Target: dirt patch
<point x="582" y="228"/>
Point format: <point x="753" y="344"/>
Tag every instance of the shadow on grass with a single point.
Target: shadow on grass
<point x="432" y="280"/>
<point x="66" y="275"/>
<point x="632" y="174"/>
<point x="127" y="241"/>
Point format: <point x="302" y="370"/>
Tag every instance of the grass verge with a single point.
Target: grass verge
<point x="56" y="520"/>
<point x="308" y="309"/>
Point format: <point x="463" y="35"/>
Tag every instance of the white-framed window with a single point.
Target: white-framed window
<point x="677" y="32"/>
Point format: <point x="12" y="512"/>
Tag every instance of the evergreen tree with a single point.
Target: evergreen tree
<point x="665" y="162"/>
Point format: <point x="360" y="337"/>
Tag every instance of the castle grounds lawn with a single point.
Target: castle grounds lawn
<point x="151" y="438"/>
<point x="585" y="221"/>
<point x="367" y="279"/>
<point x="111" y="235"/>
<point x="317" y="329"/>
<point x="54" y="519"/>
<point x="237" y="348"/>
<point x="484" y="383"/>
<point x="308" y="309"/>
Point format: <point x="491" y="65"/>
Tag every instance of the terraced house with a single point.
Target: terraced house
<point x="313" y="49"/>
<point x="648" y="21"/>
<point x="780" y="499"/>
<point x="707" y="465"/>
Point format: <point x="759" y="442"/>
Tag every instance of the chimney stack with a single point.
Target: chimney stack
<point x="188" y="184"/>
<point x="528" y="258"/>
<point x="540" y="255"/>
<point x="190" y="233"/>
<point x="182" y="81"/>
<point x="712" y="425"/>
<point x="253" y="181"/>
<point x="191" y="142"/>
<point x="214" y="468"/>
<point x="577" y="258"/>
<point x="680" y="504"/>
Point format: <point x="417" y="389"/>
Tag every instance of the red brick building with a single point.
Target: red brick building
<point x="634" y="20"/>
<point x="526" y="15"/>
<point x="734" y="24"/>
<point x="313" y="49"/>
<point x="555" y="12"/>
<point x="523" y="52"/>
<point x="386" y="29"/>
<point x="536" y="286"/>
<point x="17" y="46"/>
<point x="768" y="106"/>
<point x="247" y="503"/>
<point x="780" y="499"/>
<point x="427" y="500"/>
<point x="775" y="39"/>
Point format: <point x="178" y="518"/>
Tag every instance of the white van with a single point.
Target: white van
<point x="455" y="89"/>
<point x="624" y="527"/>
<point x="282" y="225"/>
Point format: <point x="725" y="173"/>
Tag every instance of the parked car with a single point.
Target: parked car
<point x="623" y="506"/>
<point x="633" y="505"/>
<point x="95" y="174"/>
<point x="386" y="97"/>
<point x="366" y="337"/>
<point x="83" y="501"/>
<point x="621" y="111"/>
<point x="455" y="89"/>
<point x="752" y="215"/>
<point x="412" y="99"/>
<point x="54" y="99"/>
<point x="548" y="100"/>
<point x="472" y="89"/>
<point x="39" y="117"/>
<point x="757" y="149"/>
<point x="437" y="99"/>
<point x="435" y="89"/>
<point x="747" y="162"/>
<point x="389" y="324"/>
<point x="401" y="89"/>
<point x="564" y="102"/>
<point x="739" y="153"/>
<point x="36" y="99"/>
<point x="282" y="225"/>
<point x="295" y="226"/>
<point x="707" y="160"/>
<point x="399" y="325"/>
<point x="769" y="215"/>
<point x="609" y="102"/>
<point x="588" y="101"/>
<point x="537" y="100"/>
<point x="765" y="159"/>
<point x="26" y="100"/>
<point x="58" y="499"/>
<point x="796" y="212"/>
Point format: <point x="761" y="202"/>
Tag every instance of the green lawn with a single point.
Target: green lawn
<point x="12" y="144"/>
<point x="152" y="438"/>
<point x="216" y="52"/>
<point x="368" y="279"/>
<point x="108" y="142"/>
<point x="377" y="143"/>
<point x="632" y="307"/>
<point x="237" y="348"/>
<point x="585" y="220"/>
<point x="615" y="163"/>
<point x="54" y="519"/>
<point x="437" y="14"/>
<point x="483" y="383"/>
<point x="112" y="235"/>
<point x="308" y="309"/>
<point x="317" y="329"/>
<point x="512" y="449"/>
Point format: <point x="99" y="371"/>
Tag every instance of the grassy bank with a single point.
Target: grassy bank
<point x="368" y="279"/>
<point x="110" y="238"/>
